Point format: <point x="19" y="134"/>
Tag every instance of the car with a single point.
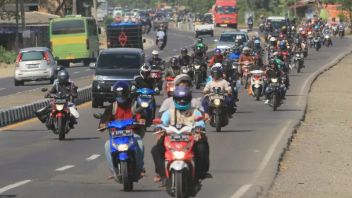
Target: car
<point x="118" y="11"/>
<point x="277" y="22"/>
<point x="34" y="64"/>
<point x="227" y="39"/>
<point x="129" y="16"/>
<point x="114" y="64"/>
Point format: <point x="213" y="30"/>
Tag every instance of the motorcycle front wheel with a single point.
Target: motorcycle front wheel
<point x="60" y="128"/>
<point x="127" y="183"/>
<point x="275" y="101"/>
<point x="217" y="122"/>
<point x="179" y="185"/>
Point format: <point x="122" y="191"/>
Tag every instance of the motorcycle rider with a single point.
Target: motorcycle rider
<point x="160" y="35"/>
<point x="184" y="59"/>
<point x="216" y="58"/>
<point x="250" y="22"/>
<point x="272" y="71"/>
<point x="144" y="80"/>
<point x="121" y="109"/>
<point x="201" y="45"/>
<point x="155" y="60"/>
<point x="66" y="86"/>
<point x="174" y="68"/>
<point x="182" y="113"/>
<point x="200" y="57"/>
<point x="245" y="57"/>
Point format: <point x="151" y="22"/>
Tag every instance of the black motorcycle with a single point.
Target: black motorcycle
<point x="275" y="93"/>
<point x="218" y="110"/>
<point x="298" y="61"/>
<point x="317" y="44"/>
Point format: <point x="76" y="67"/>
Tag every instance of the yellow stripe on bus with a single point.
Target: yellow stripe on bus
<point x="69" y="40"/>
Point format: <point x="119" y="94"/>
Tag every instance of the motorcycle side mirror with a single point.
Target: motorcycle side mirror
<point x="44" y="89"/>
<point x="97" y="115"/>
<point x="144" y="40"/>
<point x="157" y="121"/>
<point x="199" y="118"/>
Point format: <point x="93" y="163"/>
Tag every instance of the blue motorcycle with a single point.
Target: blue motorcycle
<point x="125" y="151"/>
<point x="145" y="104"/>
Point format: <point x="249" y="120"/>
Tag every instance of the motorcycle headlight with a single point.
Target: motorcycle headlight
<point x="144" y="104"/>
<point x="327" y="37"/>
<point x="121" y="147"/>
<point x="217" y="102"/>
<point x="179" y="154"/>
<point x="297" y="55"/>
<point x="196" y="66"/>
<point x="59" y="107"/>
<point x="274" y="80"/>
<point x="185" y="71"/>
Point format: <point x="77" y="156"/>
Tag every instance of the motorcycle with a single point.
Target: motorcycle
<point x="145" y="106"/>
<point x="261" y="27"/>
<point x="274" y="93"/>
<point x="298" y="61"/>
<point x="334" y="30"/>
<point x="197" y="75"/>
<point x="245" y="73"/>
<point x="341" y="31"/>
<point x="161" y="44"/>
<point x="310" y="39"/>
<point x="317" y="44"/>
<point x="257" y="83"/>
<point x="156" y="75"/>
<point x="124" y="148"/>
<point x="170" y="86"/>
<point x="187" y="70"/>
<point x="327" y="40"/>
<point x="180" y="167"/>
<point x="218" y="110"/>
<point x="60" y="115"/>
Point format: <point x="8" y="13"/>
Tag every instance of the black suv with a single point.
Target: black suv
<point x="114" y="64"/>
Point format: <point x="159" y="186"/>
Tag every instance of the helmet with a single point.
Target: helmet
<point x="63" y="76"/>
<point x="184" y="51"/>
<point x="183" y="78"/>
<point x="272" y="39"/>
<point x="218" y="65"/>
<point x="155" y="53"/>
<point x="282" y="45"/>
<point x="217" y="51"/>
<point x="216" y="72"/>
<point x="246" y="50"/>
<point x="199" y="40"/>
<point x="182" y="98"/>
<point x="121" y="90"/>
<point x="144" y="71"/>
<point x="296" y="41"/>
<point x="257" y="43"/>
<point x="174" y="62"/>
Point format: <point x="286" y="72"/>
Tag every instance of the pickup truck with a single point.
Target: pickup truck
<point x="203" y="29"/>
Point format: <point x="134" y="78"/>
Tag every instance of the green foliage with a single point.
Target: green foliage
<point x="108" y="20"/>
<point x="6" y="56"/>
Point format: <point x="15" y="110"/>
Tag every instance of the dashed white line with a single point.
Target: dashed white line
<point x="76" y="72"/>
<point x="93" y="157"/>
<point x="15" y="185"/>
<point x="88" y="69"/>
<point x="240" y="192"/>
<point x="65" y="168"/>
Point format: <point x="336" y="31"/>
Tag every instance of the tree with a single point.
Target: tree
<point x="346" y="5"/>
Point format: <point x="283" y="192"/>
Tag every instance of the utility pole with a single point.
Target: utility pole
<point x="74" y="7"/>
<point x="95" y="15"/>
<point x="23" y="22"/>
<point x="17" y="24"/>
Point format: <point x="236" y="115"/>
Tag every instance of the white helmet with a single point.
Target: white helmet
<point x="272" y="39"/>
<point x="144" y="71"/>
<point x="155" y="52"/>
<point x="217" y="65"/>
<point x="300" y="29"/>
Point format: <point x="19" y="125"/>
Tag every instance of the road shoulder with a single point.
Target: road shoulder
<point x="318" y="163"/>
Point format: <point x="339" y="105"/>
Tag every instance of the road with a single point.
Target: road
<point x="176" y="40"/>
<point x="35" y="164"/>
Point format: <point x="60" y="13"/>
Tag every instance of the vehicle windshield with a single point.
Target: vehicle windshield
<point x="225" y="9"/>
<point x="232" y="37"/>
<point x="30" y="56"/>
<point x="278" y="24"/>
<point x="68" y="27"/>
<point x="112" y="61"/>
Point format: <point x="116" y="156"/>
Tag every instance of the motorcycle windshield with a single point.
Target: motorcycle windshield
<point x="120" y="124"/>
<point x="145" y="91"/>
<point x="234" y="56"/>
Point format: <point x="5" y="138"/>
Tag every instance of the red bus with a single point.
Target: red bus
<point x="225" y="12"/>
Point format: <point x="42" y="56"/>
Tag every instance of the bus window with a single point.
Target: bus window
<point x="68" y="27"/>
<point x="225" y="9"/>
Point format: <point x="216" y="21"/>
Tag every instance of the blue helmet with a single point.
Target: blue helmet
<point x="182" y="98"/>
<point x="217" y="50"/>
<point x="121" y="90"/>
<point x="282" y="45"/>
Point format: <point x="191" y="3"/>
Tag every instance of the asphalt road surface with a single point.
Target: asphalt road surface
<point x="35" y="164"/>
<point x="176" y="41"/>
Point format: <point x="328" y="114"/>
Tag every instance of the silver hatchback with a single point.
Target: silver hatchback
<point x="34" y="64"/>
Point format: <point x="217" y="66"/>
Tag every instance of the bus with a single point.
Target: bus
<point x="74" y="39"/>
<point x="225" y="12"/>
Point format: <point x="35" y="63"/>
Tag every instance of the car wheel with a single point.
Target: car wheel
<point x="19" y="83"/>
<point x="52" y="80"/>
<point x="86" y="62"/>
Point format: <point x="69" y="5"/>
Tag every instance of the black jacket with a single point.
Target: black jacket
<point x="184" y="60"/>
<point x="69" y="88"/>
<point x="143" y="83"/>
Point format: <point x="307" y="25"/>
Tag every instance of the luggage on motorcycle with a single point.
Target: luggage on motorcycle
<point x="42" y="114"/>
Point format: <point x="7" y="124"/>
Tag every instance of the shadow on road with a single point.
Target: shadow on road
<point x="81" y="138"/>
<point x="232" y="131"/>
<point x="7" y="196"/>
<point x="25" y="130"/>
<point x="289" y="110"/>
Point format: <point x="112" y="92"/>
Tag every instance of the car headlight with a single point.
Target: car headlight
<point x="98" y="77"/>
<point x="179" y="154"/>
<point x="120" y="147"/>
<point x="144" y="104"/>
<point x="59" y="107"/>
<point x="196" y="66"/>
<point x="217" y="102"/>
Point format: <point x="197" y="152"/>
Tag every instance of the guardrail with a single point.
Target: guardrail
<point x="25" y="112"/>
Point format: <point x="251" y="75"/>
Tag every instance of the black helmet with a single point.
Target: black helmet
<point x="121" y="90"/>
<point x="63" y="76"/>
<point x="184" y="51"/>
<point x="145" y="70"/>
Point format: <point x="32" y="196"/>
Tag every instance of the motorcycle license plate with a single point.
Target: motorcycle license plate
<point x="155" y="75"/>
<point x="119" y="133"/>
<point x="179" y="138"/>
<point x="141" y="121"/>
<point x="256" y="85"/>
<point x="60" y="101"/>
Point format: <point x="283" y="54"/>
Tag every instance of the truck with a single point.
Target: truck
<point x="124" y="35"/>
<point x="225" y="12"/>
<point x="204" y="25"/>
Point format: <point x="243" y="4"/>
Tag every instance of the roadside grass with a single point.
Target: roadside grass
<point x="7" y="57"/>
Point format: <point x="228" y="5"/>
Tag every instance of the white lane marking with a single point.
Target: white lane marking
<point x="65" y="168"/>
<point x="271" y="150"/>
<point x="15" y="185"/>
<point x="88" y="69"/>
<point x="93" y="157"/>
<point x="2" y="89"/>
<point x="240" y="192"/>
<point x="77" y="72"/>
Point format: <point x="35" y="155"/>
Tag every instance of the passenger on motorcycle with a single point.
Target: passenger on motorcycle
<point x="155" y="60"/>
<point x="64" y="85"/>
<point x="182" y="113"/>
<point x="121" y="109"/>
<point x="184" y="59"/>
<point x="216" y="81"/>
<point x="272" y="71"/>
<point x="216" y="58"/>
<point x="174" y="68"/>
